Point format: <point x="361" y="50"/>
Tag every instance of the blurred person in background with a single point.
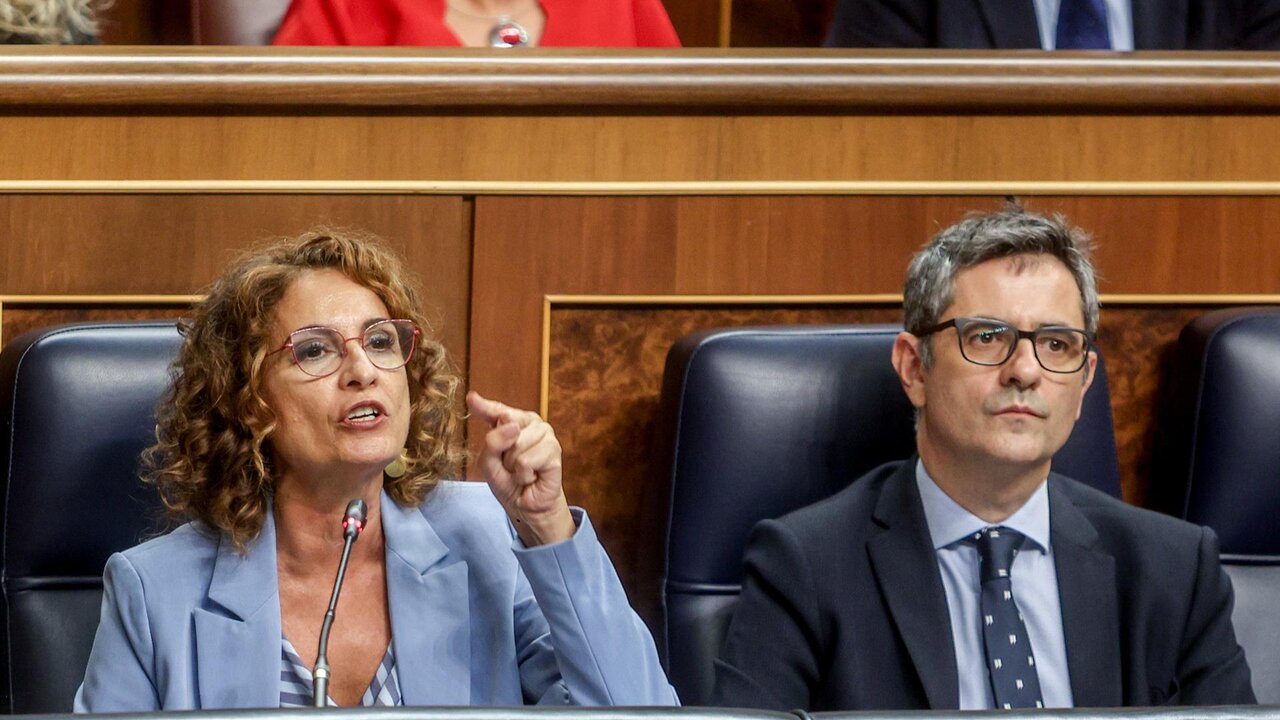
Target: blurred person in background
<point x="1058" y="24"/>
<point x="479" y="23"/>
<point x="48" y="22"/>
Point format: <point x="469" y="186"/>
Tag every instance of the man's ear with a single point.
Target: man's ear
<point x="909" y="366"/>
<point x="1090" y="369"/>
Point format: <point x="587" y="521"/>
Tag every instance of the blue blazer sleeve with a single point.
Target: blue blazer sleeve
<point x="579" y="640"/>
<point x="119" y="674"/>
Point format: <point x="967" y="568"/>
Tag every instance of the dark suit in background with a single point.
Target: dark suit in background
<point x="1011" y="24"/>
<point x="843" y="606"/>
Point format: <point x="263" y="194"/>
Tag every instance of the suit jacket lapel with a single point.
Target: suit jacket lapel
<point x="237" y="636"/>
<point x="428" y="595"/>
<point x="1090" y="610"/>
<point x="905" y="564"/>
<point x="1160" y="24"/>
<point x="1011" y="25"/>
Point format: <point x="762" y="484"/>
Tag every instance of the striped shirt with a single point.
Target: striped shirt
<point x="296" y="682"/>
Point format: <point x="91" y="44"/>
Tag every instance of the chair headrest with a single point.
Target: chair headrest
<point x="1218" y="452"/>
<point x="769" y="419"/>
<point x="77" y="404"/>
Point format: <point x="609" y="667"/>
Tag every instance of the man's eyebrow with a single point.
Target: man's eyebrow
<point x="1052" y="323"/>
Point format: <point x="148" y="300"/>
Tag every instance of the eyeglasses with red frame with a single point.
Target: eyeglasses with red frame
<point x="318" y="351"/>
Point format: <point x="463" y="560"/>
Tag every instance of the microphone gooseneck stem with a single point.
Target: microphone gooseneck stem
<point x="320" y="675"/>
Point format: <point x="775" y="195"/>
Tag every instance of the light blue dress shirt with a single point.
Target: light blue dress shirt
<point x="1035" y="589"/>
<point x="1119" y="23"/>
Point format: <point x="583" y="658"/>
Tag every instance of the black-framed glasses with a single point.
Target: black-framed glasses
<point x="991" y="342"/>
<point x="318" y="351"/>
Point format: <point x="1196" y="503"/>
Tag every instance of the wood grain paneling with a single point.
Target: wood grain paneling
<point x="145" y="22"/>
<point x="605" y="379"/>
<point x="527" y="248"/>
<point x="780" y="23"/>
<point x="177" y="244"/>
<point x="657" y="148"/>
<point x="623" y="81"/>
<point x="697" y="22"/>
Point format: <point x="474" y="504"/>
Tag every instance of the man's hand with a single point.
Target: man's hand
<point x="521" y="461"/>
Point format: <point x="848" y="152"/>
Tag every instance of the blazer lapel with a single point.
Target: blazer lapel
<point x="905" y="564"/>
<point x="1090" y="610"/>
<point x="237" y="637"/>
<point x="1011" y="25"/>
<point x="1160" y="25"/>
<point x="428" y="595"/>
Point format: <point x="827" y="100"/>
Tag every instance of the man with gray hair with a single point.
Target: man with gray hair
<point x="970" y="576"/>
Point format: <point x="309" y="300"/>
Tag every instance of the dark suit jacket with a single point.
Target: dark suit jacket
<point x="1011" y="24"/>
<point x="843" y="608"/>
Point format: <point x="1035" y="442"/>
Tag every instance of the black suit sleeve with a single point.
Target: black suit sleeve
<point x="1261" y="27"/>
<point x="1211" y="665"/>
<point x="770" y="658"/>
<point x="881" y="23"/>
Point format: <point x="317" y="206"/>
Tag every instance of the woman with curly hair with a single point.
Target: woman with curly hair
<point x="47" y="22"/>
<point x="306" y="380"/>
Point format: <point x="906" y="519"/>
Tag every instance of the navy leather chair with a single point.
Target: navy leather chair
<point x="760" y="421"/>
<point x="77" y="407"/>
<point x="1218" y="464"/>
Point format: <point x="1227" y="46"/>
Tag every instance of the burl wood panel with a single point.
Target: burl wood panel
<point x="605" y="379"/>
<point x="17" y="319"/>
<point x="146" y="244"/>
<point x="606" y="376"/>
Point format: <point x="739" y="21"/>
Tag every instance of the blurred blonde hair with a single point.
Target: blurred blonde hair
<point x="48" y="21"/>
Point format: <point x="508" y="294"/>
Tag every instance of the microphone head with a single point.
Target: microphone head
<point x="353" y="520"/>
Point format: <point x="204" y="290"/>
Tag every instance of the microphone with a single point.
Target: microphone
<point x="352" y="525"/>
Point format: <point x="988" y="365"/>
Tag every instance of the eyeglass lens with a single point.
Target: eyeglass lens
<point x="1057" y="349"/>
<point x="388" y="344"/>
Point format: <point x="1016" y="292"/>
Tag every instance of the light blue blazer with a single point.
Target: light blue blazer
<point x="476" y="618"/>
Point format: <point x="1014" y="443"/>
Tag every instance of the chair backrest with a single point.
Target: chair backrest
<point x="77" y="404"/>
<point x="761" y="421"/>
<point x="236" y="22"/>
<point x="1218" y="464"/>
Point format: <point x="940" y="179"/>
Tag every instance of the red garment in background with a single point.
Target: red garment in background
<point x="570" y="23"/>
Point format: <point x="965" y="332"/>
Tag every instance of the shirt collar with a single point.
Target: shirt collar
<point x="949" y="522"/>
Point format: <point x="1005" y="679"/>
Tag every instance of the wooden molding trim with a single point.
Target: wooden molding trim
<point x="602" y="189"/>
<point x="618" y="82"/>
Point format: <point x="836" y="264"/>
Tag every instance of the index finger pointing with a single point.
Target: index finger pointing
<point x="491" y="411"/>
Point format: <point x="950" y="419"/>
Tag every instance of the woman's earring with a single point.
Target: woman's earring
<point x="396" y="468"/>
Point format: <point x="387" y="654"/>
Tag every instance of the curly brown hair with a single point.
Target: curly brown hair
<point x="212" y="460"/>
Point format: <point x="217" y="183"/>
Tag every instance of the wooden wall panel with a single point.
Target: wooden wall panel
<point x="650" y="148"/>
<point x="145" y="22"/>
<point x="64" y="244"/>
<point x="812" y="245"/>
<point x="697" y="22"/>
<point x="780" y="23"/>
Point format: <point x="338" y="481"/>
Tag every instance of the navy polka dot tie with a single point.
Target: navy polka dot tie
<point x="1082" y="25"/>
<point x="1010" y="662"/>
